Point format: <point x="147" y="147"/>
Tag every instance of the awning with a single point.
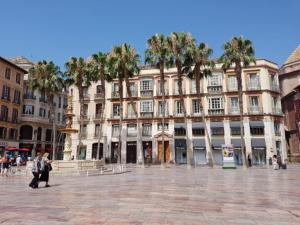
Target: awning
<point x="258" y="143"/>
<point x="198" y="125"/>
<point x="216" y="124"/>
<point x="179" y="125"/>
<point x="236" y="143"/>
<point x="11" y="149"/>
<point x="217" y="144"/>
<point x="257" y="124"/>
<point x="235" y="124"/>
<point x="199" y="144"/>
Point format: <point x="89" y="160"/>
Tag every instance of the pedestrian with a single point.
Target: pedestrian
<point x="249" y="160"/>
<point x="5" y="165"/>
<point x="47" y="168"/>
<point x="19" y="161"/>
<point x="37" y="167"/>
<point x="279" y="161"/>
<point x="274" y="162"/>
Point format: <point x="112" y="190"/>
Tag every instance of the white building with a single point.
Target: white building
<point x="263" y="119"/>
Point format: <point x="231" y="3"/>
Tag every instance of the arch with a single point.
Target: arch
<point x="26" y="132"/>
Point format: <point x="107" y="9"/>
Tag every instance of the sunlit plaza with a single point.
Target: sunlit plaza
<point x="151" y="195"/>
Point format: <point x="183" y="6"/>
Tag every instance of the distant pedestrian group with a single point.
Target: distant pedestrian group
<point x="276" y="162"/>
<point x="40" y="169"/>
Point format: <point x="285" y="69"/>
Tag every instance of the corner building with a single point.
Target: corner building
<point x="263" y="118"/>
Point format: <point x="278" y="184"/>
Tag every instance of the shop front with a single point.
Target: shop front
<point x="217" y="150"/>
<point x="199" y="148"/>
<point x="180" y="151"/>
<point x="131" y="152"/>
<point x="95" y="151"/>
<point x="258" y="151"/>
<point x="238" y="158"/>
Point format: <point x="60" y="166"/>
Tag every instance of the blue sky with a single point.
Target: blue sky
<point x="58" y="29"/>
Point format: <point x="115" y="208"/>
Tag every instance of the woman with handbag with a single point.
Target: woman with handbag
<point x="47" y="168"/>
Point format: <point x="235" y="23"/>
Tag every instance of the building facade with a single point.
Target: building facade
<point x="289" y="78"/>
<point x="36" y="128"/>
<point x="142" y="136"/>
<point x="11" y="83"/>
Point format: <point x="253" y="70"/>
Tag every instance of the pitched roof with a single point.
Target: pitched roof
<point x="294" y="57"/>
<point x="12" y="64"/>
<point x="21" y="60"/>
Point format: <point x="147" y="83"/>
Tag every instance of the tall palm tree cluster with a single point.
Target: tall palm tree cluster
<point x="179" y="50"/>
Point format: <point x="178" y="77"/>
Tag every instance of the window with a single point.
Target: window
<point x="232" y="83"/>
<point x="235" y="131"/>
<point x="132" y="88"/>
<point x="17" y="97"/>
<point x="159" y="126"/>
<point x="147" y="130"/>
<point x="194" y="89"/>
<point x="215" y="80"/>
<point x="146" y="106"/>
<point x="116" y="109"/>
<point x="130" y="110"/>
<point x="58" y="117"/>
<point x="85" y="109"/>
<point x="115" y="87"/>
<point x="7" y="73"/>
<point x="98" y="109"/>
<point x="84" y="130"/>
<point x="28" y="109"/>
<point x="59" y="102"/>
<point x="179" y="131"/>
<point x="198" y="131"/>
<point x="13" y="134"/>
<point x="99" y="89"/>
<point x="42" y="112"/>
<point x="161" y="108"/>
<point x="253" y="82"/>
<point x="3" y="131"/>
<point x="178" y="107"/>
<point x="115" y="130"/>
<point x="15" y="114"/>
<point x="97" y="130"/>
<point x="131" y="130"/>
<point x="216" y="131"/>
<point x="234" y="105"/>
<point x="196" y="107"/>
<point x="48" y="134"/>
<point x="6" y="93"/>
<point x="18" y="78"/>
<point x="176" y="87"/>
<point x="277" y="129"/>
<point x="257" y="130"/>
<point x="253" y="102"/>
<point x="146" y="85"/>
<point x="159" y="89"/>
<point x="4" y="113"/>
<point x="216" y="102"/>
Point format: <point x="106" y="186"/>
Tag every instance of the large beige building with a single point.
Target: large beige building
<point x="11" y="83"/>
<point x="263" y="118"/>
<point x="36" y="129"/>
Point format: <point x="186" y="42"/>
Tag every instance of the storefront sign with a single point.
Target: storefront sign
<point x="228" y="157"/>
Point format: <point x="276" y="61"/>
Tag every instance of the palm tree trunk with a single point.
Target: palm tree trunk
<point x="238" y="71"/>
<point x="80" y="91"/>
<point x="52" y="113"/>
<point x="162" y="89"/>
<point x="121" y="120"/>
<point x="101" y="119"/>
<point x="180" y="90"/>
<point x="211" y="159"/>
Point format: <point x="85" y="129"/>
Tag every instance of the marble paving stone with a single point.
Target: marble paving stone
<point x="152" y="196"/>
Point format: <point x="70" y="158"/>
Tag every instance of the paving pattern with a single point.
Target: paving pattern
<point x="175" y="195"/>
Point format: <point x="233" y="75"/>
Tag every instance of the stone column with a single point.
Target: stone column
<point x="124" y="143"/>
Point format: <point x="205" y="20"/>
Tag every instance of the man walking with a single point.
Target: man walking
<point x="37" y="167"/>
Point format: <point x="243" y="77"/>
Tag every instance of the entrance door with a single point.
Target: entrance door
<point x="131" y="152"/>
<point x="167" y="153"/>
<point x="200" y="156"/>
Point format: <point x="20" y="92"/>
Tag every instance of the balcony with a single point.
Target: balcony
<point x="176" y="91"/>
<point x="29" y="96"/>
<point x="177" y="114"/>
<point x="232" y="88"/>
<point x="214" y="89"/>
<point x="253" y="110"/>
<point x="134" y="93"/>
<point x="5" y="97"/>
<point x="130" y="116"/>
<point x="43" y="100"/>
<point x="277" y="111"/>
<point x="253" y="86"/>
<point x="217" y="112"/>
<point x="14" y="120"/>
<point x="83" y="135"/>
<point x="159" y="92"/>
<point x="146" y="114"/>
<point x="98" y="116"/>
<point x="4" y="118"/>
<point x="159" y="114"/>
<point x="115" y="116"/>
<point x="115" y="94"/>
<point x="146" y="93"/>
<point x="99" y="96"/>
<point x="196" y="113"/>
<point x="86" y="96"/>
<point x="84" y="117"/>
<point x="234" y="111"/>
<point x="17" y="101"/>
<point x="275" y="87"/>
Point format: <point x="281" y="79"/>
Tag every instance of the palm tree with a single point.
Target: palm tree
<point x="239" y="53"/>
<point x="179" y="43"/>
<point x="158" y="54"/>
<point x="101" y="62"/>
<point x="80" y="73"/>
<point x="47" y="78"/>
<point x="124" y="64"/>
<point x="199" y="57"/>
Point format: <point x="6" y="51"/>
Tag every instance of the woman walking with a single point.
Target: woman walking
<point x="47" y="168"/>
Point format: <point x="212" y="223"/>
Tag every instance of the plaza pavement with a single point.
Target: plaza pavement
<point x="175" y="195"/>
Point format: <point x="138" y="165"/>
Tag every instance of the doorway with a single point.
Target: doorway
<point x="131" y="152"/>
<point x="94" y="151"/>
<point x="167" y="154"/>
